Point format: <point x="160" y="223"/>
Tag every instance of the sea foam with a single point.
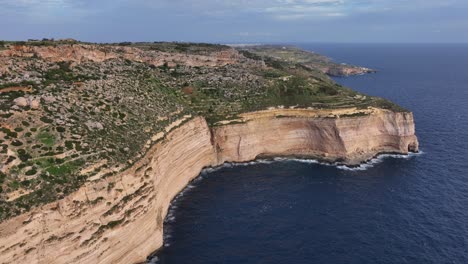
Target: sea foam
<point x="363" y="166"/>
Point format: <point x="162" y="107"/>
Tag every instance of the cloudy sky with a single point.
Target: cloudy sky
<point x="237" y="20"/>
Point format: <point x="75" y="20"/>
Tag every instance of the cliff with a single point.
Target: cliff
<point x="346" y="135"/>
<point x="119" y="219"/>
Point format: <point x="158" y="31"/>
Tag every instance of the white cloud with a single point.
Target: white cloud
<point x="33" y="3"/>
<point x="275" y="9"/>
<point x="46" y="10"/>
<point x="294" y="10"/>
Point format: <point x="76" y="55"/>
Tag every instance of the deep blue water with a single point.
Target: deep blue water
<point x="398" y="210"/>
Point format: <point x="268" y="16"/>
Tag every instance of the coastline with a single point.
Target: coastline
<point x="83" y="228"/>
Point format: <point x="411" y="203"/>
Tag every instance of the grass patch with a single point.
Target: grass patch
<point x="46" y="138"/>
<point x="64" y="169"/>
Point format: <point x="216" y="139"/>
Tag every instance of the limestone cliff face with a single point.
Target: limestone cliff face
<point x="348" y="139"/>
<point x="120" y="219"/>
<point x="113" y="220"/>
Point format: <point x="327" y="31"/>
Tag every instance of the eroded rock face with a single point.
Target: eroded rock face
<point x="348" y="139"/>
<point x="119" y="219"/>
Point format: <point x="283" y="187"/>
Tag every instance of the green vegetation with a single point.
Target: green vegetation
<point x="41" y="42"/>
<point x="61" y="73"/>
<point x="19" y="84"/>
<point x="181" y="47"/>
<point x="30" y="172"/>
<point x="8" y="132"/>
<point x="272" y="74"/>
<point x="46" y="138"/>
<point x="16" y="143"/>
<point x="63" y="169"/>
<point x="64" y="73"/>
<point x="2" y="177"/>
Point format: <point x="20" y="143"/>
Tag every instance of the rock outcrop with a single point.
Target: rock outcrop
<point x="119" y="219"/>
<point x="345" y="70"/>
<point x="34" y="103"/>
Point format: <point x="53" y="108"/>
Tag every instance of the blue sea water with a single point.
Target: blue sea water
<point x="395" y="210"/>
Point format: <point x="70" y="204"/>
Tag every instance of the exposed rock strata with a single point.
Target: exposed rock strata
<point x="120" y="219"/>
<point x="316" y="134"/>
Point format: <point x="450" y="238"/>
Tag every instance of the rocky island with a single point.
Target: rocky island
<point x="97" y="139"/>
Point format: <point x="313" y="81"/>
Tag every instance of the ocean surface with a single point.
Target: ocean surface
<point x="395" y="209"/>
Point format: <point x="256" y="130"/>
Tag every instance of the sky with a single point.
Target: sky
<point x="241" y="21"/>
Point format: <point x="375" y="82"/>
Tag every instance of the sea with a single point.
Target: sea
<point x="394" y="209"/>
